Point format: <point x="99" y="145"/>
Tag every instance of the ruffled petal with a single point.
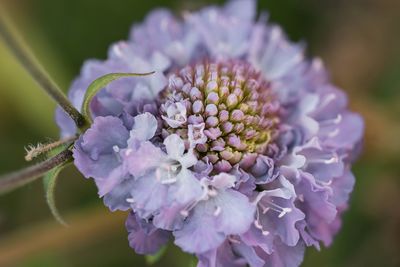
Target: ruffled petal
<point x="225" y="31"/>
<point x="237" y="213"/>
<point x="143" y="237"/>
<point x="314" y="202"/>
<point x="342" y="187"/>
<point x="257" y="237"/>
<point x="333" y="101"/>
<point x="144" y="127"/>
<point x="162" y="32"/>
<point x="134" y="59"/>
<point x="170" y="217"/>
<point x="281" y="218"/>
<point x="344" y="133"/>
<point x="285" y="256"/>
<point x="187" y="189"/>
<point x="117" y="198"/>
<point x="264" y="170"/>
<point x="148" y="195"/>
<point x="249" y="254"/>
<point x="222" y="256"/>
<point x="144" y="159"/>
<point x="277" y="214"/>
<point x="199" y="234"/>
<point x="96" y="153"/>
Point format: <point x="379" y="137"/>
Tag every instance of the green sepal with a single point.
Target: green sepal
<point x="49" y="182"/>
<point x="152" y="259"/>
<point x="99" y="84"/>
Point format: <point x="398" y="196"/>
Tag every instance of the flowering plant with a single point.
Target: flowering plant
<point x="237" y="147"/>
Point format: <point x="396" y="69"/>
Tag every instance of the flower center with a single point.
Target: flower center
<point x="225" y="110"/>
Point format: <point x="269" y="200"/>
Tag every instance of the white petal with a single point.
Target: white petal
<point x="175" y="146"/>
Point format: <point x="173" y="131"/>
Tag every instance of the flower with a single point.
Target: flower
<point x="238" y="148"/>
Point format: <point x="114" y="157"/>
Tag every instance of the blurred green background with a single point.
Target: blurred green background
<point x="359" y="40"/>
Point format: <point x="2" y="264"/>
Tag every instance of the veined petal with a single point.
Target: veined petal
<point x="284" y="255"/>
<point x="226" y="212"/>
<point x="143" y="237"/>
<point x="144" y="159"/>
<point x="96" y="153"/>
<point x="199" y="234"/>
<point x="186" y="190"/>
<point x="117" y="198"/>
<point x="144" y="127"/>
<point x="148" y="195"/>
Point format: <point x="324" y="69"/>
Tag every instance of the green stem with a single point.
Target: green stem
<point x="31" y="65"/>
<point x="17" y="179"/>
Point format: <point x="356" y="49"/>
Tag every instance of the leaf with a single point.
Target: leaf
<point x="152" y="259"/>
<point x="99" y="84"/>
<point x="193" y="262"/>
<point x="49" y="182"/>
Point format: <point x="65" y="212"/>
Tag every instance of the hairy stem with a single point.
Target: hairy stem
<point x="33" y="151"/>
<point x="31" y="65"/>
<point x="17" y="179"/>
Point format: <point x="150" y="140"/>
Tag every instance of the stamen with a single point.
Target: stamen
<point x="333" y="159"/>
<point x="324" y="183"/>
<point x="264" y="209"/>
<point x="264" y="233"/>
<point x="168" y="170"/>
<point x="329" y="98"/>
<point x="282" y="211"/>
<point x="212" y="192"/>
<point x="336" y="120"/>
<point x="117" y="150"/>
<point x="128" y="152"/>
<point x="334" y="133"/>
<point x="184" y="213"/>
<point x="217" y="211"/>
<point x="130" y="200"/>
<point x="233" y="240"/>
<point x="258" y="225"/>
<point x="169" y="181"/>
<point x="191" y="206"/>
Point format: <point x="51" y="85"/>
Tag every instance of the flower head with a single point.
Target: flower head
<point x="239" y="148"/>
<point x="227" y="106"/>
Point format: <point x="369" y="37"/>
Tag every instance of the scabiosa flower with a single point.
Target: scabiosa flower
<point x="238" y="148"/>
